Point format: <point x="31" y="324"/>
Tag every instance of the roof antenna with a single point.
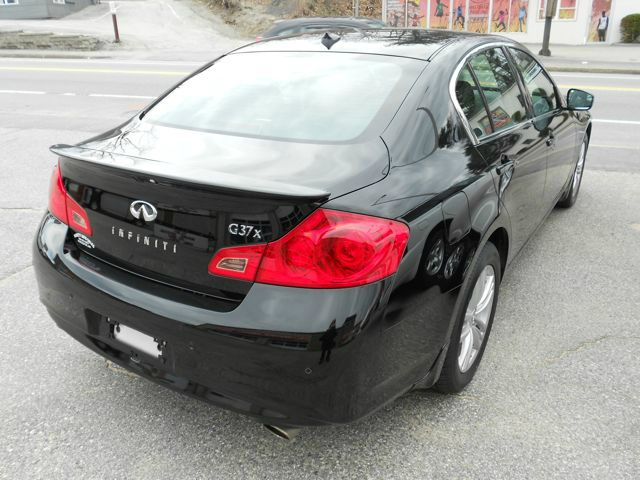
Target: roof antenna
<point x="329" y="41"/>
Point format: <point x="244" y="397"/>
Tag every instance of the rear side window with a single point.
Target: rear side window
<point x="539" y="86"/>
<point x="498" y="83"/>
<point x="304" y="96"/>
<point x="470" y="100"/>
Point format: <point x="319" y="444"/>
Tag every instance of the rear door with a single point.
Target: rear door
<point x="497" y="112"/>
<point x="552" y="122"/>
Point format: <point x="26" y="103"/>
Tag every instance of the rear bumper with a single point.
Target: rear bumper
<point x="275" y="357"/>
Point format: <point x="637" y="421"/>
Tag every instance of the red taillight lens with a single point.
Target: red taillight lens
<point x="65" y="208"/>
<point x="330" y="249"/>
<point x="237" y="262"/>
<point x="58" y="196"/>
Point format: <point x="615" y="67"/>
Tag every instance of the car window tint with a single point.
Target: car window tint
<point x="543" y="96"/>
<point x="500" y="88"/>
<point x="470" y="100"/>
<point x="281" y="95"/>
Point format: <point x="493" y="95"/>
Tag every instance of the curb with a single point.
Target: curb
<point x="45" y="54"/>
<point x="622" y="70"/>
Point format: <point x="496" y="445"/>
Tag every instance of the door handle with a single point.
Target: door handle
<point x="551" y="140"/>
<point x="506" y="162"/>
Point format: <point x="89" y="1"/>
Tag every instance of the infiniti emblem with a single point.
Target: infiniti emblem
<point x="141" y="209"/>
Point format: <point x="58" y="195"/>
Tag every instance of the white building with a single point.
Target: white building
<point x="575" y="21"/>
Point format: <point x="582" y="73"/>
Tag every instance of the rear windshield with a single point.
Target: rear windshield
<point x="303" y="96"/>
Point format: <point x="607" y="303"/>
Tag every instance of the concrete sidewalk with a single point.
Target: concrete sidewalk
<point x="598" y="58"/>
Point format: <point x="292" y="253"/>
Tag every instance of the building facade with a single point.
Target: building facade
<point x="24" y="9"/>
<point x="576" y="22"/>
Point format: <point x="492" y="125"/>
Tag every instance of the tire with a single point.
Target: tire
<point x="571" y="195"/>
<point x="465" y="352"/>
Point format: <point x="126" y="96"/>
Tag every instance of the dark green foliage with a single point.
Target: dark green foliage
<point x="630" y="28"/>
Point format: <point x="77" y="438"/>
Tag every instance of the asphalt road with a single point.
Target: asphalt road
<point x="557" y="395"/>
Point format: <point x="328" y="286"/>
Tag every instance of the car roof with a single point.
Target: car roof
<point x="412" y="43"/>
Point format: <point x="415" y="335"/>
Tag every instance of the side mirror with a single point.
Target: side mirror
<point x="579" y="100"/>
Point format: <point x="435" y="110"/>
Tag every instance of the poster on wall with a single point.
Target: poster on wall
<point x="417" y="13"/>
<point x="459" y="14"/>
<point x="439" y="14"/>
<point x="518" y="15"/>
<point x="395" y="13"/>
<point x="501" y="11"/>
<point x="599" y="23"/>
<point x="478" y="16"/>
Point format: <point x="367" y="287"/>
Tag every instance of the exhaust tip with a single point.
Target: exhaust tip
<point x="282" y="432"/>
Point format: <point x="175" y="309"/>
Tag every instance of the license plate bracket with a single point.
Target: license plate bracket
<point x="138" y="341"/>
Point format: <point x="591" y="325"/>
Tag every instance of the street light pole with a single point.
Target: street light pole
<point x="549" y="13"/>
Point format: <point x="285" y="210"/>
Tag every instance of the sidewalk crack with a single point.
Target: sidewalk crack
<point x="585" y="345"/>
<point x="15" y="272"/>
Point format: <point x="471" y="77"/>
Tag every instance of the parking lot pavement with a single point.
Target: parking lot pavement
<point x="557" y="394"/>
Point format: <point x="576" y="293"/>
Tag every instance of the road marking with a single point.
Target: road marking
<point x="94" y="70"/>
<point x="620" y="147"/>
<point x="23" y="92"/>
<point x="622" y="122"/>
<point x="113" y="95"/>
<point x="68" y="94"/>
<point x="596" y="76"/>
<point x="602" y="88"/>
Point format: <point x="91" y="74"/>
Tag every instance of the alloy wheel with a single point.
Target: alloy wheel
<point x="476" y="318"/>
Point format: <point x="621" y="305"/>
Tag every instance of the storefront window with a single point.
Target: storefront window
<point x="566" y="10"/>
<point x="518" y="15"/>
<point x="478" y="16"/>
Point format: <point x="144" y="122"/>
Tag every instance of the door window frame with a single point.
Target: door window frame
<point x="521" y="85"/>
<point x="559" y="100"/>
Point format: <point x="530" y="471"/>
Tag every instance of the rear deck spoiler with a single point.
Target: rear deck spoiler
<point x="198" y="176"/>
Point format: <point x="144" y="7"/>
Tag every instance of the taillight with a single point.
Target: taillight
<point x="329" y="249"/>
<point x="237" y="262"/>
<point x="65" y="208"/>
<point x="58" y="196"/>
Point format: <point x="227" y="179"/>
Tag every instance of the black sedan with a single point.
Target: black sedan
<point x="306" y="228"/>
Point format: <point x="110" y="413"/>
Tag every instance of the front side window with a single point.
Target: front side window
<point x="539" y="86"/>
<point x="299" y="96"/>
<point x="504" y="99"/>
<point x="8" y="2"/>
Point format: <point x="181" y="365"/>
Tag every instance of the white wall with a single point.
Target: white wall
<point x="621" y="8"/>
<point x="574" y="32"/>
<point x="569" y="32"/>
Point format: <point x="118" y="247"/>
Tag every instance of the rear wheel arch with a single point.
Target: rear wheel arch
<point x="500" y="238"/>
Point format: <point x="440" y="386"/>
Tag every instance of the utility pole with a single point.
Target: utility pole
<point x="116" y="34"/>
<point x="356" y="8"/>
<point x="549" y="13"/>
